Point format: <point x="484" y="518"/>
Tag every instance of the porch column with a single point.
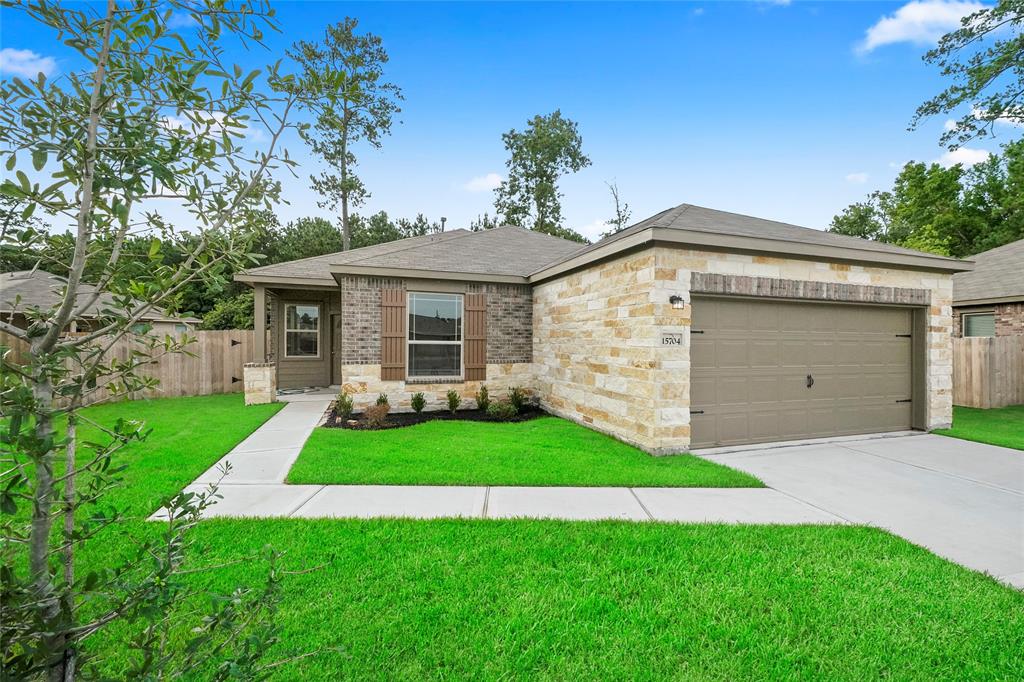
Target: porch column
<point x="259" y="318"/>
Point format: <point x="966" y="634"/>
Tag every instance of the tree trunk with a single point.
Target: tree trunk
<point x="69" y="548"/>
<point x="346" y="234"/>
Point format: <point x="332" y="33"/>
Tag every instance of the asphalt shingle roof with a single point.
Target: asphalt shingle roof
<point x="998" y="273"/>
<point x="40" y="289"/>
<point x="688" y="217"/>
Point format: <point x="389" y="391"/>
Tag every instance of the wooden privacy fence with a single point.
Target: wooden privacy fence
<point x="214" y="366"/>
<point x="988" y="371"/>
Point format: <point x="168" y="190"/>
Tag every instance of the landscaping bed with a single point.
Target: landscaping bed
<point x="398" y="420"/>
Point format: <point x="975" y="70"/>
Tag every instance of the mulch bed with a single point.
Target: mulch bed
<point x="398" y="420"/>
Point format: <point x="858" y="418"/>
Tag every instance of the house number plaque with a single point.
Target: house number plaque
<point x="671" y="339"/>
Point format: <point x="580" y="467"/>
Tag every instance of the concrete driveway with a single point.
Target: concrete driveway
<point x="962" y="500"/>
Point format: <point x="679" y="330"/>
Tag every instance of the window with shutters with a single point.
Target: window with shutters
<point x="435" y="335"/>
<point x="979" y="324"/>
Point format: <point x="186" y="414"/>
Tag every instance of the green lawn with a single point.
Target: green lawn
<point x="554" y="600"/>
<point x="541" y="452"/>
<point x="1001" y="426"/>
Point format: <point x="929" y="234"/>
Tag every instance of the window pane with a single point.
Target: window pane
<point x="980" y="325"/>
<point x="301" y="344"/>
<point x="435" y="317"/>
<point x="302" y="317"/>
<point x="435" y="360"/>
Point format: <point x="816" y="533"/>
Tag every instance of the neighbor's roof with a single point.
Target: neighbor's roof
<point x="508" y="252"/>
<point x="40" y="289"/>
<point x="998" y="276"/>
<point x="515" y="254"/>
<point x="697" y="226"/>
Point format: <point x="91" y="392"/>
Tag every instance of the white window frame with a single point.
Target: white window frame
<point x="319" y="328"/>
<point x="963" y="323"/>
<point x="409" y="343"/>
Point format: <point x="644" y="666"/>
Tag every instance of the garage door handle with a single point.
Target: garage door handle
<point x="810" y="381"/>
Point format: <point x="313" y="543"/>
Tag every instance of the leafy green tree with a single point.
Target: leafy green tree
<point x="483" y="222"/>
<point x="550" y="147"/>
<point x="305" y="237"/>
<point x="995" y="198"/>
<point x="343" y="85"/>
<point x="151" y="115"/>
<point x="231" y="313"/>
<point x="380" y="229"/>
<point x="984" y="59"/>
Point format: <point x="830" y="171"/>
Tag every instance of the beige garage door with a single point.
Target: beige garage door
<point x="766" y="371"/>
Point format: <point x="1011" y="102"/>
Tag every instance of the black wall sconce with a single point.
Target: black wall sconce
<point x="676" y="300"/>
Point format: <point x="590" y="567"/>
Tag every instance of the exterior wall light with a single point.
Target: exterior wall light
<point x="676" y="301"/>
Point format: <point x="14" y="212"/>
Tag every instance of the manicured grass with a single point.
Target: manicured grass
<point x="477" y="599"/>
<point x="187" y="436"/>
<point x="1001" y="426"/>
<point x="541" y="452"/>
<point x="555" y="600"/>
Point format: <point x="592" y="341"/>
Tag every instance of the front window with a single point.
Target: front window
<point x="979" y="324"/>
<point x="435" y="335"/>
<point x="302" y="330"/>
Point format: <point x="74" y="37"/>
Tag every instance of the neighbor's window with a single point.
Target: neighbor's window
<point x="979" y="324"/>
<point x="435" y="335"/>
<point x="302" y="330"/>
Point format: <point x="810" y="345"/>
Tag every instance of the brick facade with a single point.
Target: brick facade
<point x="360" y="318"/>
<point x="1009" y="318"/>
<point x="509" y="322"/>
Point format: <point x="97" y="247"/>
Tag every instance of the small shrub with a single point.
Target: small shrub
<point x="502" y="410"/>
<point x="343" y="407"/>
<point x="482" y="399"/>
<point x="454" y="400"/>
<point x="419" y="401"/>
<point x="382" y="399"/>
<point x="517" y="397"/>
<point x="376" y="415"/>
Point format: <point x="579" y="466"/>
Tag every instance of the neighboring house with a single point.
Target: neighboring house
<point x="989" y="300"/>
<point x="27" y="289"/>
<point x="692" y="328"/>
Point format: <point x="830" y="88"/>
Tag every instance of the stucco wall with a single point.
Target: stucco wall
<point x="597" y="337"/>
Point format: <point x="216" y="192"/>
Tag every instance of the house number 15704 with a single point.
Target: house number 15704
<point x="671" y="339"/>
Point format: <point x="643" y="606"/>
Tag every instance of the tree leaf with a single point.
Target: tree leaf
<point x="38" y="158"/>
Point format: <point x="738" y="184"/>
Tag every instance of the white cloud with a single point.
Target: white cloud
<point x="181" y="20"/>
<point x="965" y="156"/>
<point x="483" y="183"/>
<point x="26" y="63"/>
<point x="857" y="178"/>
<point x="921" y="22"/>
<point x="698" y="11"/>
<point x="1005" y="120"/>
<point x="950" y="124"/>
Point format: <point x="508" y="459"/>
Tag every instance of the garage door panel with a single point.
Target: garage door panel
<point x="749" y="370"/>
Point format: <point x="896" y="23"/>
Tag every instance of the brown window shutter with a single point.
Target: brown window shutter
<point x="475" y="340"/>
<point x="392" y="334"/>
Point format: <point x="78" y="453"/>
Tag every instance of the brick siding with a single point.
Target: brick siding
<point x="509" y="320"/>
<point x="1009" y="318"/>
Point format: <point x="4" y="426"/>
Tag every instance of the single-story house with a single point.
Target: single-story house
<point x="692" y="328"/>
<point x="26" y="289"/>
<point x="989" y="300"/>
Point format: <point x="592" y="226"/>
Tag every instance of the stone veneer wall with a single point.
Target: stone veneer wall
<point x="598" y="356"/>
<point x="1009" y="318"/>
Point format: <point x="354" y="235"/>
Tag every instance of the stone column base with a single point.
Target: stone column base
<point x="260" y="382"/>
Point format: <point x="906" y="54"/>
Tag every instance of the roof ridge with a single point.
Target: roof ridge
<point x="465" y="233"/>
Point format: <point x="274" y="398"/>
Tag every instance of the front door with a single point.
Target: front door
<point x="335" y="349"/>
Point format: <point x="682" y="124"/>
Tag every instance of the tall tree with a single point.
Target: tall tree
<point x="985" y="60"/>
<point x="343" y="85"/>
<point x="150" y="115"/>
<point x="304" y="238"/>
<point x="620" y="220"/>
<point x="549" y="147"/>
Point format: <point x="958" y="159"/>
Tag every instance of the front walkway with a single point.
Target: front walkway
<point x="255" y="487"/>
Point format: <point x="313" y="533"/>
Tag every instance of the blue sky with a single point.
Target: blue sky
<point x="783" y="110"/>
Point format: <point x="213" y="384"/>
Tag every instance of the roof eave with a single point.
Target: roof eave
<point x="991" y="300"/>
<point x="271" y="280"/>
<point x="775" y="247"/>
<point x="416" y="273"/>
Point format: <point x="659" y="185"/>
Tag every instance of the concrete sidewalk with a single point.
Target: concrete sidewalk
<point x="255" y="488"/>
